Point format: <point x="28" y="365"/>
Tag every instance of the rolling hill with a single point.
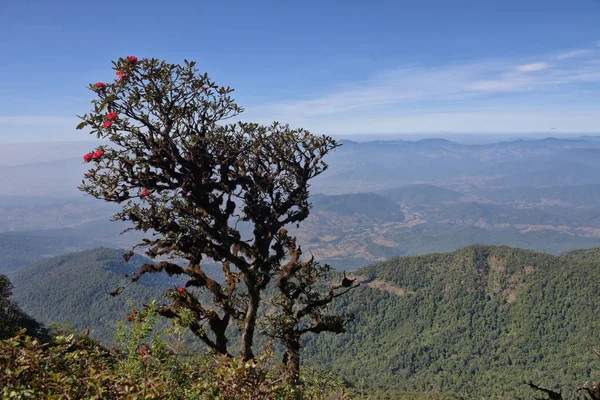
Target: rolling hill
<point x="473" y="323"/>
<point x="73" y="289"/>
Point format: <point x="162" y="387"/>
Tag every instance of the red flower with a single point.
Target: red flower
<point x="181" y="289"/>
<point x="121" y="75"/>
<point x="146" y="192"/>
<point x="88" y="175"/>
<point x="112" y="115"/>
<point x="203" y="88"/>
<point x="107" y="124"/>
<point x="97" y="154"/>
<point x="131" y="59"/>
<point x="101" y="85"/>
<point x="88" y="157"/>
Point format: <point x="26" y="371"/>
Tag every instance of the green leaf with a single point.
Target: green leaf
<point x="82" y="125"/>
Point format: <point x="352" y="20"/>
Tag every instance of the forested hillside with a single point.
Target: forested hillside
<point x="74" y="289"/>
<point x="475" y="322"/>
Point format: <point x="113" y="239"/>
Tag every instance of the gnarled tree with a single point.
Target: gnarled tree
<point x="181" y="172"/>
<point x="301" y="305"/>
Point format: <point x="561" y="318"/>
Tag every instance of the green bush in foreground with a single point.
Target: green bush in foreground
<point x="76" y="367"/>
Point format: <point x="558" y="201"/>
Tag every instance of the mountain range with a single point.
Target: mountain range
<point x="377" y="200"/>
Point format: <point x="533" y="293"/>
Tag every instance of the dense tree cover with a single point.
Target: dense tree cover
<point x="476" y="322"/>
<point x="473" y="323"/>
<point x="13" y="319"/>
<point x="74" y="289"/>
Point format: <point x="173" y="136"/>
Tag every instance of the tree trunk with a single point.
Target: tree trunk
<point x="292" y="357"/>
<point x="250" y="323"/>
<point x="219" y="327"/>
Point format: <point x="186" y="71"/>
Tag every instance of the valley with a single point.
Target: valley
<point x="492" y="283"/>
<point x="377" y="200"/>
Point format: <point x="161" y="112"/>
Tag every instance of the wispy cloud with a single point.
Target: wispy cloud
<point x="560" y="89"/>
<point x="416" y="86"/>
<point x="532" y="67"/>
<point x="573" y="54"/>
<point x="507" y="119"/>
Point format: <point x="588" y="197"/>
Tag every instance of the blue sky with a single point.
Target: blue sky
<point x="335" y="67"/>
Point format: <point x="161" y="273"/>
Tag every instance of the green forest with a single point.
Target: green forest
<point x="474" y="323"/>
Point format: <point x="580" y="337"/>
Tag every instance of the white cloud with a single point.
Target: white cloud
<point x="417" y="98"/>
<point x="410" y="84"/>
<point x="504" y="84"/>
<point x="504" y="119"/>
<point x="373" y="104"/>
<point x="532" y="67"/>
<point x="573" y="54"/>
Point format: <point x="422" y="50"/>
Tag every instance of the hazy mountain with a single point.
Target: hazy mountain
<point x="421" y="194"/>
<point x="368" y="205"/>
<point x="383" y="164"/>
<point x="378" y="199"/>
<point x="44" y="152"/>
<point x="34" y="213"/>
<point x="58" y="178"/>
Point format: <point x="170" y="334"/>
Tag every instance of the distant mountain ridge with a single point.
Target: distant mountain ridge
<point x="368" y="204"/>
<point x="419" y="194"/>
<point x="377" y="199"/>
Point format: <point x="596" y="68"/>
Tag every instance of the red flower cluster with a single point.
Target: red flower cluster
<point x="203" y="88"/>
<point x="181" y="289"/>
<point x="131" y="59"/>
<point x="93" y="156"/>
<point x="107" y="124"/>
<point x="111" y="116"/>
<point x="121" y="75"/>
<point x="145" y="193"/>
<point x="101" y="85"/>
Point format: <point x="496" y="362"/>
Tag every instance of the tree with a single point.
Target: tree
<point x="301" y="305"/>
<point x="13" y="319"/>
<point x="180" y="170"/>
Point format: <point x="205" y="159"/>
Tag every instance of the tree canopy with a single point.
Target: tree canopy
<point x="12" y="318"/>
<point x="181" y="172"/>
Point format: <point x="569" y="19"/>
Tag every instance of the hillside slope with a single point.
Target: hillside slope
<point x="73" y="288"/>
<point x="473" y="323"/>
